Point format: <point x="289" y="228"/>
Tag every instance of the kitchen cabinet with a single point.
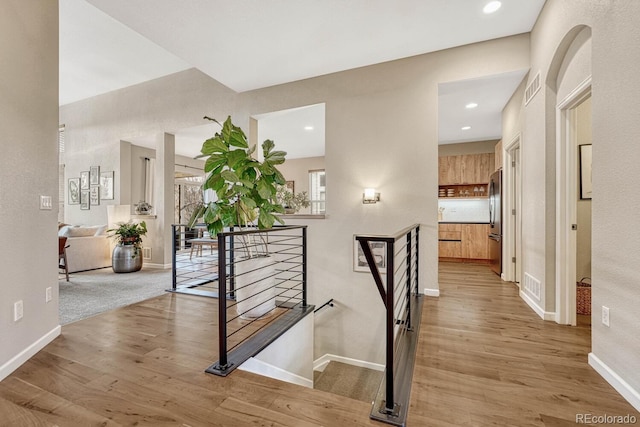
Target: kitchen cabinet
<point x="498" y="156"/>
<point x="450" y="240"/>
<point x="463" y="241"/>
<point x="465" y="169"/>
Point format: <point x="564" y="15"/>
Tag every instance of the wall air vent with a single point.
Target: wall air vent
<point x="532" y="285"/>
<point x="532" y="89"/>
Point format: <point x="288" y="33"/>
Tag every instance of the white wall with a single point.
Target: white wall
<point x="28" y="169"/>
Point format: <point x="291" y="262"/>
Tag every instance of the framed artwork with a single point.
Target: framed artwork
<point x="291" y="186"/>
<point x="106" y="185"/>
<point x="379" y="251"/>
<point x="84" y="180"/>
<point x="84" y="200"/>
<point x="585" y="171"/>
<point x="74" y="191"/>
<point x="94" y="196"/>
<point x="94" y="175"/>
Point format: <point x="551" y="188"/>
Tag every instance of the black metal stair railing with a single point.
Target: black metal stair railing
<point x="259" y="278"/>
<point x="395" y="273"/>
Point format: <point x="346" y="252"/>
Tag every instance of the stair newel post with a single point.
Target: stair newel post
<point x="408" y="280"/>
<point x="389" y="403"/>
<point x="222" y="301"/>
<point x="304" y="266"/>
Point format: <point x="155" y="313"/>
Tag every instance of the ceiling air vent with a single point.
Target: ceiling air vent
<point x="532" y="89"/>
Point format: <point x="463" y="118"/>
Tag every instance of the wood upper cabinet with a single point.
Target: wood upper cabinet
<point x="498" y="156"/>
<point x="465" y="169"/>
<point x="449" y="170"/>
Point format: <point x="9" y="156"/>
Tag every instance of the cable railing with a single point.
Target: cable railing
<point x="395" y="270"/>
<point x="259" y="278"/>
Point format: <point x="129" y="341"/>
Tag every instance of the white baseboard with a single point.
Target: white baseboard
<point x="629" y="393"/>
<point x="157" y="266"/>
<point x="545" y="315"/>
<point x="320" y="363"/>
<point x="431" y="292"/>
<point x="28" y="353"/>
<point x="262" y="368"/>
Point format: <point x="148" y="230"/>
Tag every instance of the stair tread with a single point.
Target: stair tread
<point x="349" y="381"/>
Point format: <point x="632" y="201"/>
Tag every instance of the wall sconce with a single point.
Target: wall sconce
<point x="370" y="196"/>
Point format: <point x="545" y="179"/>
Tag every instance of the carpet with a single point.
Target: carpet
<point x="349" y="381"/>
<point x="89" y="293"/>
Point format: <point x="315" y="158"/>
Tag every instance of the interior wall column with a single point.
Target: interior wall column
<point x="163" y="193"/>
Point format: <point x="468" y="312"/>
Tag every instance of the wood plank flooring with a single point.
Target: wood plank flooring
<point x="484" y="359"/>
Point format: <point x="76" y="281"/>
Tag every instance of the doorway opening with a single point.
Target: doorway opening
<point x="573" y="192"/>
<point x="512" y="270"/>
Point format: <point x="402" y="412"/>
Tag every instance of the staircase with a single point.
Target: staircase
<point x="348" y="381"/>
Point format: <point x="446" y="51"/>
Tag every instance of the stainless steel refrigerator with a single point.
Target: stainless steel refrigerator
<point x="495" y="221"/>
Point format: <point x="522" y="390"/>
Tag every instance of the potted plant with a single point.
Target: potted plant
<point x="292" y="203"/>
<point x="246" y="196"/>
<point x="127" y="256"/>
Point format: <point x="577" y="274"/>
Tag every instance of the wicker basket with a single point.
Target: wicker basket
<point x="583" y="296"/>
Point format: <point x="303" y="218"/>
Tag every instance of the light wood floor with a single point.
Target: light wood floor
<point x="484" y="359"/>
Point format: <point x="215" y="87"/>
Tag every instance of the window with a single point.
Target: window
<point x="317" y="190"/>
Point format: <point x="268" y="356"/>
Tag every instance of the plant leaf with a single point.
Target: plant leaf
<point x="230" y="176"/>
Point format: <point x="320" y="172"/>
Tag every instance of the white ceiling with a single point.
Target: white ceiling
<point x="248" y="44"/>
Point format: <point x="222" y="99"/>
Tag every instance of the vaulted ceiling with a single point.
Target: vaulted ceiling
<point x="109" y="44"/>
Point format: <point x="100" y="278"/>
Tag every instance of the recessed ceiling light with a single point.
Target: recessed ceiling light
<point x="465" y="127"/>
<point x="308" y="128"/>
<point x="471" y="105"/>
<point x="491" y="7"/>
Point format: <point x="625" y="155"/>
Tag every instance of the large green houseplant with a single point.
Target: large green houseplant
<point x="246" y="196"/>
<point x="245" y="187"/>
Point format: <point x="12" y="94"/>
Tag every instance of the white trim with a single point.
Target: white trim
<point x="320" y="363"/>
<point x="545" y="315"/>
<point x="28" y="353"/>
<point x="509" y="223"/>
<point x="156" y="266"/>
<point x="617" y="382"/>
<point x="259" y="367"/>
<point x="431" y="292"/>
<point x="566" y="205"/>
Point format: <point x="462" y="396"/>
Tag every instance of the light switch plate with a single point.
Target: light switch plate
<point x="46" y="203"/>
<point x="605" y="315"/>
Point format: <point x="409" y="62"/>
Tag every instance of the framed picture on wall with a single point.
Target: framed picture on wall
<point x="94" y="196"/>
<point x="585" y="171"/>
<point x="84" y="180"/>
<point x="74" y="191"/>
<point x="84" y="200"/>
<point x="94" y="175"/>
<point x="379" y="251"/>
<point x="106" y="185"/>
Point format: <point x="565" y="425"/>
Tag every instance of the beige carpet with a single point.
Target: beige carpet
<point x="349" y="381"/>
<point x="92" y="292"/>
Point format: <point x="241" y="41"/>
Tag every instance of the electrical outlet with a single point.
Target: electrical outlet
<point x="17" y="311"/>
<point x="605" y="316"/>
<point x="48" y="296"/>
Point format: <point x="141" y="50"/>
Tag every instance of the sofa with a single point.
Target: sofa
<point x="89" y="247"/>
